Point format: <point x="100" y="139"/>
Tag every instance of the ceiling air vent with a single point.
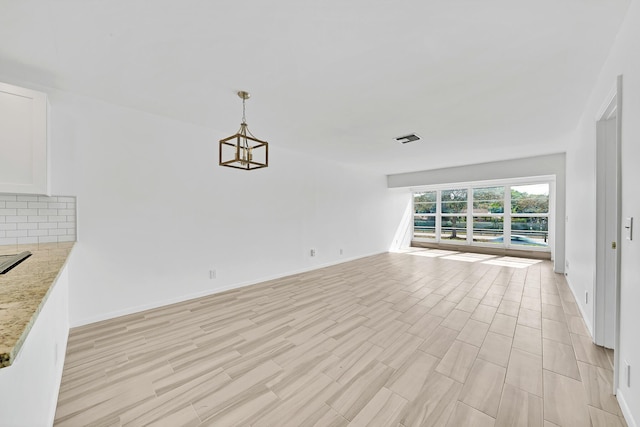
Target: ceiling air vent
<point x="408" y="138"/>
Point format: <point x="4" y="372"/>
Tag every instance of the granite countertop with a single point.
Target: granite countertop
<point x="24" y="290"/>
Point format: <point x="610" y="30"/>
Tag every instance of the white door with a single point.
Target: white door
<point x="611" y="227"/>
<point x="607" y="231"/>
<point x="606" y="306"/>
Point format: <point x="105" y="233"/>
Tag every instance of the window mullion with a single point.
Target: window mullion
<point x="469" y="215"/>
<point x="438" y="215"/>
<point x="507" y="216"/>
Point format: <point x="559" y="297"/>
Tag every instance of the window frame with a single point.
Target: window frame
<point x="507" y="215"/>
<point x="429" y="214"/>
<point x="487" y="215"/>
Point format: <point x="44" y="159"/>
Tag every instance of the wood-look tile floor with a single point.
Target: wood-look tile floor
<point x="424" y="338"/>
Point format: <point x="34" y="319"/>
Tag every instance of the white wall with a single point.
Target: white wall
<point x="553" y="164"/>
<point x="30" y="385"/>
<point x="156" y="212"/>
<point x="624" y="59"/>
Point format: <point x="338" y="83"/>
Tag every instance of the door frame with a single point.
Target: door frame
<point x="611" y="107"/>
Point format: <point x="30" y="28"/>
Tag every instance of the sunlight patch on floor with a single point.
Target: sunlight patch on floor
<point x="506" y="261"/>
<point x="469" y="257"/>
<point x="433" y="253"/>
<point x="513" y="262"/>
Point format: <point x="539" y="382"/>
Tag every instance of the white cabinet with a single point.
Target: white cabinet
<point x="23" y="141"/>
<point x="32" y="381"/>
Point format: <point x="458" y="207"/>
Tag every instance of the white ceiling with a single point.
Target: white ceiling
<point x="478" y="80"/>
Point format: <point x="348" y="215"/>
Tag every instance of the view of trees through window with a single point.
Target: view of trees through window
<point x="488" y="215"/>
<point x="530" y="214"/>
<point x="454" y="227"/>
<point x="425" y="207"/>
<point x="477" y="215"/>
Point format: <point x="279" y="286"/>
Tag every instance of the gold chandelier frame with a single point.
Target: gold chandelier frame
<point x="243" y="150"/>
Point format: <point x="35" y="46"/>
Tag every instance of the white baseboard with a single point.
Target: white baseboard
<point x="182" y="298"/>
<point x="587" y="320"/>
<point x="626" y="411"/>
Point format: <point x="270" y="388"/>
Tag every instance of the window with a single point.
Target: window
<point x="530" y="215"/>
<point x="476" y="215"/>
<point x="424" y="219"/>
<point x="488" y="215"/>
<point x="454" y="218"/>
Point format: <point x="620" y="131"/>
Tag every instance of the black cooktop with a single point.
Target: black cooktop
<point x="7" y="262"/>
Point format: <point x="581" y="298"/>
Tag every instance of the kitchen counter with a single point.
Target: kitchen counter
<point x="24" y="290"/>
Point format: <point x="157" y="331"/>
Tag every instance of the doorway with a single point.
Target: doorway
<point x="608" y="185"/>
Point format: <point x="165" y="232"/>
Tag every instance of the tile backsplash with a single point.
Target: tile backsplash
<point x="37" y="219"/>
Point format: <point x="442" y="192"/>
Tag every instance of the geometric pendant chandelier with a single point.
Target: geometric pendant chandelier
<point x="243" y="150"/>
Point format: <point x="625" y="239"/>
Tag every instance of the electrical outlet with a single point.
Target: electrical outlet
<point x="212" y="274"/>
<point x="627" y="373"/>
<point x="586" y="297"/>
<point x="312" y="252"/>
<point x="340" y="251"/>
